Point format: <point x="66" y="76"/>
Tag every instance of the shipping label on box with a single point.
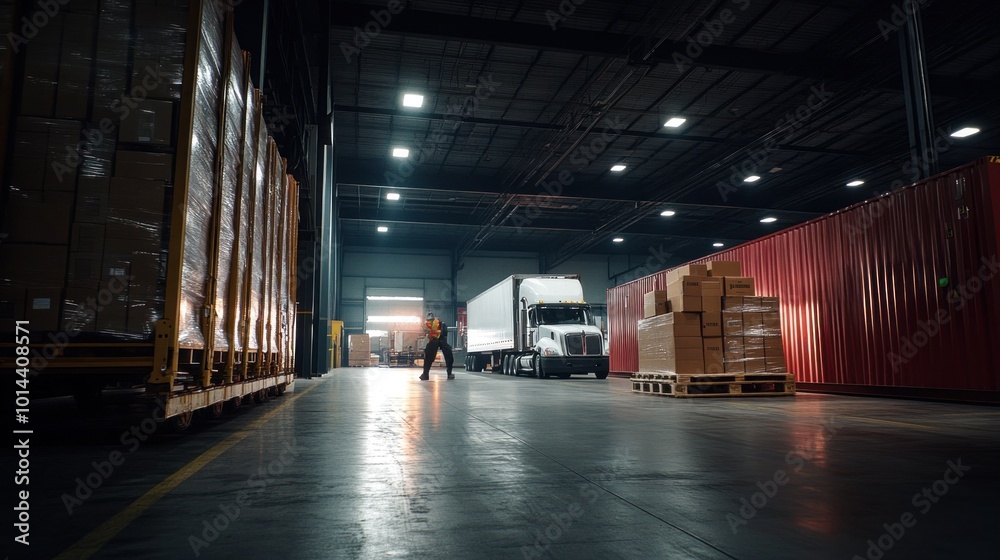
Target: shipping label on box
<point x="732" y="324"/>
<point x="724" y="268"/>
<point x="711" y="324"/>
<point x="714" y="354"/>
<point x="733" y="304"/>
<point x="151" y="122"/>
<point x="685" y="304"/>
<point x="42" y="308"/>
<point x="738" y="286"/>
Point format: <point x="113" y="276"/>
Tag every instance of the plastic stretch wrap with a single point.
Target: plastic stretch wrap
<point x="268" y="248"/>
<point x="671" y="343"/>
<point x="287" y="305"/>
<point x="241" y="282"/>
<point x="160" y="44"/>
<point x="277" y="185"/>
<point x="201" y="179"/>
<point x="259" y="217"/>
<point x="231" y="147"/>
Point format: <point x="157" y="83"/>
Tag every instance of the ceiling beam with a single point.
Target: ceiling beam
<point x="451" y="27"/>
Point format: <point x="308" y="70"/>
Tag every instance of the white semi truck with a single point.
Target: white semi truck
<point x="536" y="324"/>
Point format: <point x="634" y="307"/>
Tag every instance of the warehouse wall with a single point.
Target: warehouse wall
<point x="431" y="272"/>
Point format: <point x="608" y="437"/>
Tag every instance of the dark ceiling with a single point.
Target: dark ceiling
<point x="527" y="108"/>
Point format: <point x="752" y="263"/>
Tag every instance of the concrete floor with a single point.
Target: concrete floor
<point x="376" y="464"/>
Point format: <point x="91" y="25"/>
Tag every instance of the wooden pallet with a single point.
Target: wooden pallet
<point x="715" y="377"/>
<point x="747" y="388"/>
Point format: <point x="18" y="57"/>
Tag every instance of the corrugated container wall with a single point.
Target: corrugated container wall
<point x="901" y="291"/>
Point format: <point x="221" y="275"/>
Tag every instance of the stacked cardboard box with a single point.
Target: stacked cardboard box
<point x="93" y="162"/>
<point x="752" y="332"/>
<point x="359" y="350"/>
<point x="708" y="321"/>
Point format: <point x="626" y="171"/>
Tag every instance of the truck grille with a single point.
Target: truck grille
<point x="578" y="345"/>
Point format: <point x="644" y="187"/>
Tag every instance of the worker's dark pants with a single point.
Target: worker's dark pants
<point x="431" y="352"/>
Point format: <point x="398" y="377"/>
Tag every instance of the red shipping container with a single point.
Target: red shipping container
<point x="861" y="304"/>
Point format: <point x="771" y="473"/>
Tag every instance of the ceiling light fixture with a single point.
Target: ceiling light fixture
<point x="413" y="100"/>
<point x="718" y="244"/>
<point x="400" y="152"/>
<point x="752" y="179"/>
<point x="668" y="213"/>
<point x="675" y="122"/>
<point x="392" y="196"/>
<point x="617" y="168"/>
<point x="769" y="220"/>
<point x="968" y="131"/>
<point x="618" y="239"/>
<point x="856" y="183"/>
<point x="383" y="229"/>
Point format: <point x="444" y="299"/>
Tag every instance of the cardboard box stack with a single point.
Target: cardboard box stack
<point x="93" y="167"/>
<point x="709" y="321"/>
<point x="359" y="350"/>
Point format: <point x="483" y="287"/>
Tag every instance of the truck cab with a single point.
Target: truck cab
<point x="561" y="331"/>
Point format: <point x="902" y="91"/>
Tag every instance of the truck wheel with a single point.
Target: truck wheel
<point x="602" y="375"/>
<point x="505" y="365"/>
<point x="536" y="366"/>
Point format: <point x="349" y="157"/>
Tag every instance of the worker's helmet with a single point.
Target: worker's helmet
<point x="430" y="315"/>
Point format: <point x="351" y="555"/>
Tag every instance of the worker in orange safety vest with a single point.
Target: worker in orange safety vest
<point x="436" y="339"/>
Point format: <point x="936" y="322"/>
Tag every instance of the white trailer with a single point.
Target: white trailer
<point x="538" y="324"/>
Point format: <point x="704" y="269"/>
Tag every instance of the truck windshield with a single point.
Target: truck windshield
<point x="563" y="316"/>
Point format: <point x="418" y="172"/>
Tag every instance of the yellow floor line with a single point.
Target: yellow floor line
<point x="96" y="539"/>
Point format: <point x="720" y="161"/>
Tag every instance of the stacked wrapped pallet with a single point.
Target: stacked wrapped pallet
<point x="708" y="334"/>
<point x="359" y="351"/>
<point x="150" y="219"/>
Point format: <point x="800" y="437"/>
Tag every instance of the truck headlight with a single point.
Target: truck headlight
<point x="551" y="352"/>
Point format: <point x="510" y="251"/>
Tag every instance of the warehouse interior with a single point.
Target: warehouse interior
<point x="412" y="155"/>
